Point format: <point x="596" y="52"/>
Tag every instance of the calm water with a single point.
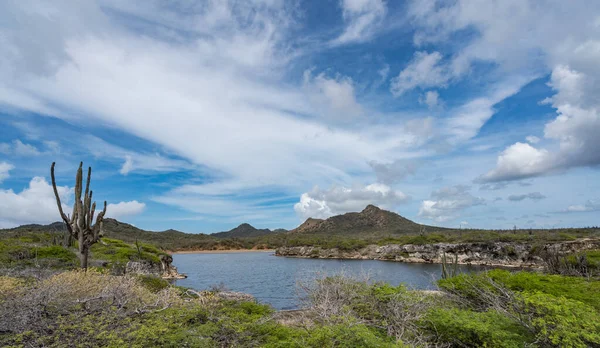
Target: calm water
<point x="274" y="280"/>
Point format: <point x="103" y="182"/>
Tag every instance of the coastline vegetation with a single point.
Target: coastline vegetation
<point x="497" y="308"/>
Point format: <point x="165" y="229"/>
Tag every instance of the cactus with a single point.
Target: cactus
<point x="80" y="224"/>
<point x="453" y="271"/>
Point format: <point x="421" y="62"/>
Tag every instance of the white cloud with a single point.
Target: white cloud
<point x="423" y="71"/>
<point x="362" y="18"/>
<point x="5" y="168"/>
<point x="34" y="204"/>
<point x="466" y="120"/>
<point x="447" y="203"/>
<point x="576" y="130"/>
<point x="518" y="161"/>
<point x="335" y="94"/>
<point x="569" y="52"/>
<point x="208" y="89"/>
<point x="127" y="166"/>
<point x="532" y="139"/>
<point x="535" y="196"/>
<point x="390" y="173"/>
<point x="431" y="99"/>
<point x="587" y="207"/>
<point x="338" y="200"/>
<point x="18" y="148"/>
<point x="124" y="209"/>
<point x="37" y="204"/>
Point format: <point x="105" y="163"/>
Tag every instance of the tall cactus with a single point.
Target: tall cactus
<point x="449" y="272"/>
<point x="80" y="224"/>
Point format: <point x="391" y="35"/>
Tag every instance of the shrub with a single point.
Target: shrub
<point x="56" y="252"/>
<point x="152" y="283"/>
<point x="476" y="329"/>
<point x="562" y="322"/>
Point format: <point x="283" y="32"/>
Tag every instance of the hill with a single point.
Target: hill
<point x="245" y="231"/>
<point x="371" y="221"/>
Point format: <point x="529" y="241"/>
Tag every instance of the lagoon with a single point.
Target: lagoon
<point x="274" y="280"/>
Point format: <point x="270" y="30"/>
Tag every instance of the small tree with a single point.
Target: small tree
<point x="80" y="224"/>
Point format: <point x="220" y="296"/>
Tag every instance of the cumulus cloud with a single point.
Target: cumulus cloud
<point x="18" y="148"/>
<point x="391" y="173"/>
<point x="569" y="52"/>
<point x="335" y="94"/>
<point x="536" y="196"/>
<point x="34" y="204"/>
<point x="362" y="18"/>
<point x="589" y="206"/>
<point x="576" y="130"/>
<point x="447" y="203"/>
<point x="423" y="71"/>
<point x="320" y="203"/>
<point x="5" y="168"/>
<point x="124" y="209"/>
<point x="532" y="139"/>
<point x="431" y="99"/>
<point x="37" y="204"/>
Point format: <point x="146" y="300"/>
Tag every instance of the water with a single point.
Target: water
<point x="274" y="280"/>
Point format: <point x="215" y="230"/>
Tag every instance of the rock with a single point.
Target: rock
<point x="143" y="268"/>
<point x="508" y="254"/>
<point x="234" y="296"/>
<point x="164" y="270"/>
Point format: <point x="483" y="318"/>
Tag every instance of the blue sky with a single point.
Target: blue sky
<point x="206" y="114"/>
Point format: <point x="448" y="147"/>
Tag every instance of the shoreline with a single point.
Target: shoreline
<point x="431" y="262"/>
<point x="224" y="251"/>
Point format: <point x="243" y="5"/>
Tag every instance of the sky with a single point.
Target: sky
<point x="202" y="115"/>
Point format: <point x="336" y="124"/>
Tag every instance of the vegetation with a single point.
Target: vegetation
<point x="80" y="225"/>
<point x="20" y="250"/>
<point x="66" y="307"/>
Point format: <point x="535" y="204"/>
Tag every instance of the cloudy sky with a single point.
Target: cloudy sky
<point x="200" y="115"/>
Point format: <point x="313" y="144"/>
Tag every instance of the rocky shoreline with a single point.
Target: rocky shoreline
<point x="504" y="254"/>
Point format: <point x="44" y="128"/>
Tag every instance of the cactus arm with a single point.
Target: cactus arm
<point x="58" y="203"/>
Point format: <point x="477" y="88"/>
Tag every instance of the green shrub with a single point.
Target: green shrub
<point x="476" y="329"/>
<point x="56" y="252"/>
<point x="563" y="322"/>
<point x="152" y="283"/>
<point x="575" y="288"/>
<point x="468" y="286"/>
<point x="348" y="335"/>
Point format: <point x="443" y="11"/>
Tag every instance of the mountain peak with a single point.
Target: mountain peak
<point x="369" y="209"/>
<point x="245" y="225"/>
<point x="370" y="221"/>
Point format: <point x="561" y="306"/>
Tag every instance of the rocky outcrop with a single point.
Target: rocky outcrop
<point x="508" y="254"/>
<point x="164" y="269"/>
<point x="168" y="271"/>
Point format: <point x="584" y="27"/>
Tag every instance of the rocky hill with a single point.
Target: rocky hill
<point x="244" y="230"/>
<point x="372" y="220"/>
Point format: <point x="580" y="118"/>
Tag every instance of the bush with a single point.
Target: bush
<point x="152" y="283"/>
<point x="563" y="322"/>
<point x="56" y="252"/>
<point x="476" y="329"/>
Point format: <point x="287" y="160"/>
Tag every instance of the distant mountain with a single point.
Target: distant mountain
<point x="170" y="239"/>
<point x="245" y="230"/>
<point x="372" y="220"/>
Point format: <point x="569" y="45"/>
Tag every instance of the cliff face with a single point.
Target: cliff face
<point x="165" y="269"/>
<point x="508" y="254"/>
